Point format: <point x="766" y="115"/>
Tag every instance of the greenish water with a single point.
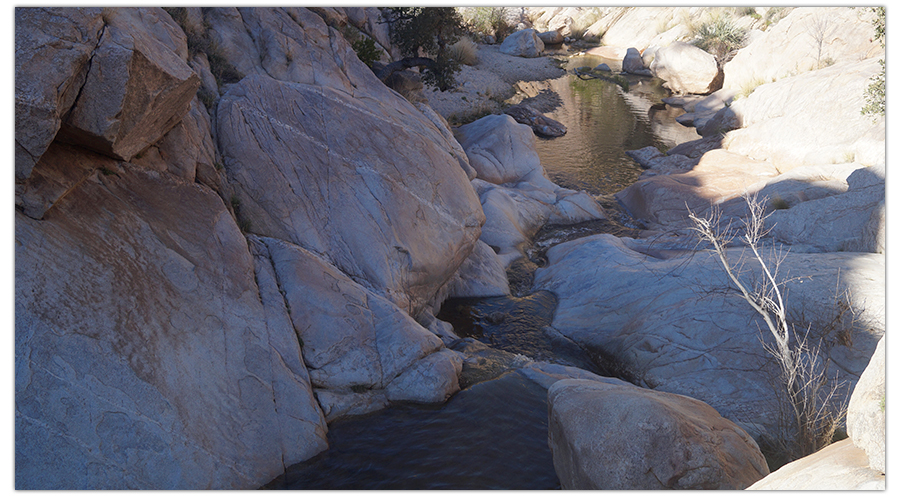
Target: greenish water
<point x="603" y="122"/>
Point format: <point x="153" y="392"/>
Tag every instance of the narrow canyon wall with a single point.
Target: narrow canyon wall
<point x="201" y="196"/>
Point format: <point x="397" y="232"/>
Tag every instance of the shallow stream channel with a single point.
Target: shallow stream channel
<point x="493" y="433"/>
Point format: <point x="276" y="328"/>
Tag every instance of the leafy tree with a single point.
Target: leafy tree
<point x="428" y="31"/>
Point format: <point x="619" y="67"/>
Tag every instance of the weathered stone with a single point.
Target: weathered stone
<point x="811" y="119"/>
<point x="632" y="63"/>
<point x="60" y="170"/>
<point x="501" y="150"/>
<point x="147" y="355"/>
<point x="834" y="220"/>
<point x="551" y="37"/>
<point x="839" y="466"/>
<point x="846" y="36"/>
<point x="189" y="146"/>
<point x="352" y="338"/>
<point x="540" y="124"/>
<point x="432" y="379"/>
<point x="524" y="43"/>
<point x="481" y="275"/>
<point x="718" y="177"/>
<point x="686" y="69"/>
<point x="656" y="319"/>
<point x="385" y="199"/>
<point x="138" y="86"/>
<point x="618" y="436"/>
<point x="866" y="414"/>
<point x="53" y="50"/>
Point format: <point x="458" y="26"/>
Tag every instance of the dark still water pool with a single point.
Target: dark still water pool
<point x="492" y="435"/>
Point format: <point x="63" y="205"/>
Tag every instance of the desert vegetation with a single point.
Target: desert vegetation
<point x="815" y="405"/>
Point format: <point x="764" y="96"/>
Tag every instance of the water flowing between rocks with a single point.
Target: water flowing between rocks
<point x="493" y="433"/>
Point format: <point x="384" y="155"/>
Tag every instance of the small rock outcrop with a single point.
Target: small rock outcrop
<point x="524" y="43"/>
<point x="686" y="69"/>
<point x="515" y="193"/>
<point x="53" y="52"/>
<point x="540" y="124"/>
<point x="839" y="466"/>
<point x="634" y="64"/>
<point x="621" y="437"/>
<point x="138" y="86"/>
<point x="551" y="37"/>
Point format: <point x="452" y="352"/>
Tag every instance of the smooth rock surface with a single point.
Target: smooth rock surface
<point x="718" y="177"/>
<point x="352" y="338"/>
<point x="664" y="324"/>
<point x="147" y="355"/>
<point x="812" y="118"/>
<point x="686" y="69"/>
<point x="846" y="36"/>
<point x="866" y="417"/>
<point x="621" y="437"/>
<point x="524" y="43"/>
<point x="400" y="218"/>
<point x="839" y="466"/>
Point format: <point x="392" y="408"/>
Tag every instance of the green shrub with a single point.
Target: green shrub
<point x="366" y="50"/>
<point x="875" y="93"/>
<point x="430" y="30"/>
<point x="488" y="21"/>
<point x="207" y="97"/>
<point x="719" y="37"/>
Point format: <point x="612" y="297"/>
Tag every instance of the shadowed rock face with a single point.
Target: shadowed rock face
<point x="53" y="50"/>
<point x="138" y="87"/>
<point x="145" y="357"/>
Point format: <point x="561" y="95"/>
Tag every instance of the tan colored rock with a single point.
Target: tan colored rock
<point x="148" y="355"/>
<point x="718" y="177"/>
<point x="524" y="43"/>
<point x="686" y="69"/>
<point x="622" y="437"/>
<point x="812" y="118"/>
<point x="839" y="466"/>
<point x="791" y="46"/>
<point x="53" y="51"/>
<point x="866" y="417"/>
<point x="138" y="87"/>
<point x="61" y="169"/>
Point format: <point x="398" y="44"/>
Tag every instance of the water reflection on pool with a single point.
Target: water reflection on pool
<point x="603" y="122"/>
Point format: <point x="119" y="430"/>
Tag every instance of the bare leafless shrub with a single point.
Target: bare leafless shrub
<point x="815" y="403"/>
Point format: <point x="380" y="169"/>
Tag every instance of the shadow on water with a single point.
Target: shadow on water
<point x="492" y="435"/>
